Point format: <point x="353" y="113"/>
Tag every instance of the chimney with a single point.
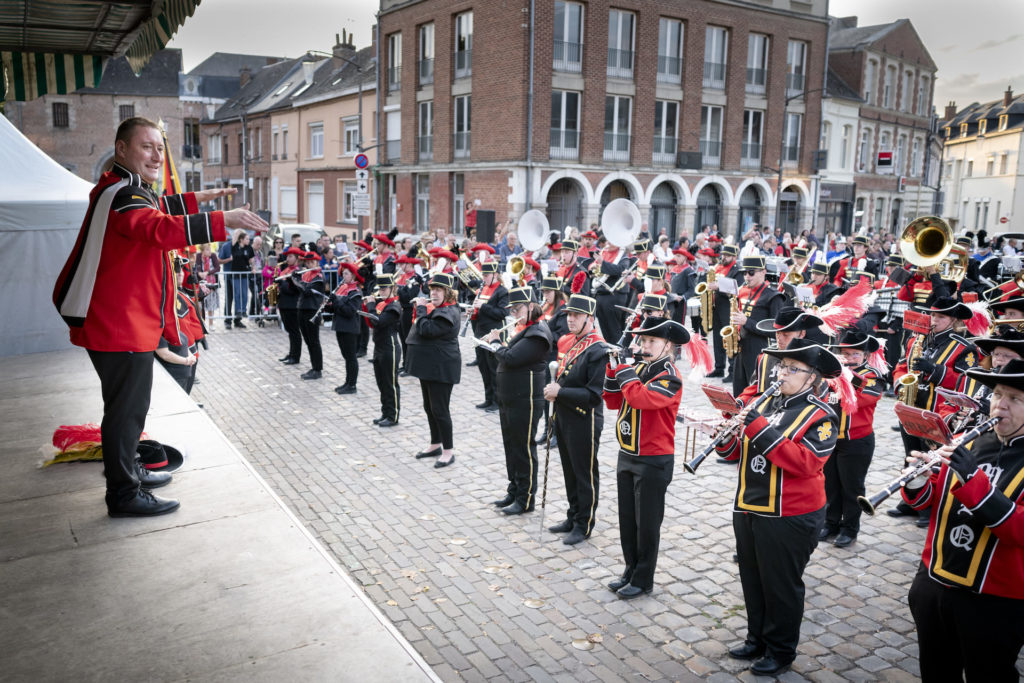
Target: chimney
<point x="1007" y="96"/>
<point x="343" y="46"/>
<point x="244" y="76"/>
<point x="950" y="111"/>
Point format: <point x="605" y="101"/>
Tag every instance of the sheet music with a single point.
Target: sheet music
<point x="727" y="285"/>
<point x="804" y="295"/>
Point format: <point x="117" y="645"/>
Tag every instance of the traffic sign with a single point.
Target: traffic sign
<point x="362" y="186"/>
<point x="356" y="211"/>
<point x="361" y="201"/>
<point x="1004" y="219"/>
<point x="362" y="161"/>
<point x="362" y="174"/>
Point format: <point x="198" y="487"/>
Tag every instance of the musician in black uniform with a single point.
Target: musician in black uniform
<point x="346" y="302"/>
<point x="858" y="261"/>
<point x="757" y="301"/>
<point x="727" y="266"/>
<point x="369" y="275"/>
<point x="488" y="313"/>
<point x="683" y="286"/>
<point x="575" y="394"/>
<point x="554" y="314"/>
<point x="313" y="293"/>
<point x="387" y="349"/>
<point x="520" y="392"/>
<point x="575" y="276"/>
<point x="610" y="262"/>
<point x="823" y="290"/>
<point x="288" y="304"/>
<point x="435" y="360"/>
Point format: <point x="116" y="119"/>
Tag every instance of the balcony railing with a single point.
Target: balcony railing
<point x="463" y="60"/>
<point x="426" y="71"/>
<point x="750" y="155"/>
<point x="393" y="150"/>
<point x="756" y="79"/>
<point x="791" y="153"/>
<point x="616" y="146"/>
<point x="565" y="144"/>
<point x="711" y="153"/>
<point x="620" y="63"/>
<point x="462" y="145"/>
<point x="394" y="78"/>
<point x="714" y="75"/>
<point x="670" y="69"/>
<point x="425" y="146"/>
<point x="568" y="57"/>
<point x="794" y="84"/>
<point x="664" y="149"/>
<point x="192" y="152"/>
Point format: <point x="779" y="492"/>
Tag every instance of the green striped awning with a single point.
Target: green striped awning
<point x="52" y="46"/>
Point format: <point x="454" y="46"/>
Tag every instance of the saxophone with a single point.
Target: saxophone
<point x="908" y="384"/>
<point x="731" y="335"/>
<point x="707" y="300"/>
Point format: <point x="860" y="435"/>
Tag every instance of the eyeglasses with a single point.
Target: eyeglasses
<point x="751" y="273"/>
<point x="792" y="370"/>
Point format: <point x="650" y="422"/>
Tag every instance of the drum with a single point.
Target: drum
<point x="693" y="306"/>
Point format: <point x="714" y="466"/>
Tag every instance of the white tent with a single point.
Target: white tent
<point x="42" y="205"/>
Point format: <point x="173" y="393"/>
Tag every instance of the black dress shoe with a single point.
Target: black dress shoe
<point x="443" y="463"/>
<point x="629" y="591"/>
<point x="516" y="508"/>
<point x="345" y="389"/>
<point x="902" y="511"/>
<point x="239" y="323"/>
<point x="843" y="540"/>
<point x="285" y="358"/>
<point x="747" y="651"/>
<point x="149" y="479"/>
<point x="922" y="522"/>
<point x="387" y="422"/>
<point x="717" y="373"/>
<point x="618" y="583"/>
<point x="311" y="374"/>
<point x="472" y="364"/>
<point x="429" y="454"/>
<point x="507" y="500"/>
<point x="768" y="666"/>
<point x="493" y="408"/>
<point x="227" y="324"/>
<point x="827" y="533"/>
<point x="483" y="405"/>
<point x="576" y="536"/>
<point x="564" y="528"/>
<point x="291" y="361"/>
<point x="144" y="504"/>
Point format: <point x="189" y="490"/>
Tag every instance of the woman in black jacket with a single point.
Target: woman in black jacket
<point x="435" y="360"/>
<point x="288" y="303"/>
<point x="313" y="293"/>
<point x="554" y="314"/>
<point x="346" y="302"/>
<point x="520" y="394"/>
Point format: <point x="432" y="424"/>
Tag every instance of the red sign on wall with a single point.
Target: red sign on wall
<point x="884" y="162"/>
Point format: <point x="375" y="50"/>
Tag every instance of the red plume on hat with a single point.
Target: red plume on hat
<point x="845" y="309"/>
<point x="77" y="442"/>
<point x="876" y="361"/>
<point x="700" y="357"/>
<point x="980" y="320"/>
<point x="842" y="387"/>
<point x="577" y="282"/>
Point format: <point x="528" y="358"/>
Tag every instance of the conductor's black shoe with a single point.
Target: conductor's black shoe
<point x="922" y="522"/>
<point x="227" y="324"/>
<point x="443" y="463"/>
<point x="285" y="358"/>
<point x="149" y="479"/>
<point x="345" y="389"/>
<point x="843" y="540"/>
<point x="516" y="508"/>
<point x="768" y="666"/>
<point x="472" y="364"/>
<point x="717" y="373"/>
<point x="429" y="454"/>
<point x="507" y="500"/>
<point x="827" y="533"/>
<point x="747" y="651"/>
<point x="387" y="422"/>
<point x="618" y="583"/>
<point x="144" y="504"/>
<point x="483" y="405"/>
<point x="576" y="536"/>
<point x="629" y="591"/>
<point x="493" y="408"/>
<point x="564" y="528"/>
<point x="291" y="361"/>
<point x="311" y="374"/>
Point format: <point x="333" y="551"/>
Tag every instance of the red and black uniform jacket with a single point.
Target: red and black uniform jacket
<point x="117" y="289"/>
<point x="491" y="314"/>
<point x="923" y="292"/>
<point x="346" y="303"/>
<point x="312" y="285"/>
<point x="386" y="260"/>
<point x="976" y="532"/>
<point x="782" y="456"/>
<point x="580" y="374"/>
<point x="850" y="263"/>
<point x="952" y="355"/>
<point x="647" y="397"/>
<point x="568" y="274"/>
<point x="824" y="293"/>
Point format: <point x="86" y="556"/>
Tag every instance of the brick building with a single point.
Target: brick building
<point x="679" y="106"/>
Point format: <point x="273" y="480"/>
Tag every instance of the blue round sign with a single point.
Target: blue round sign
<point x="362" y="161"/>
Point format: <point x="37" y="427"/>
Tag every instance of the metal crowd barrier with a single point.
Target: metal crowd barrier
<point x="257" y="305"/>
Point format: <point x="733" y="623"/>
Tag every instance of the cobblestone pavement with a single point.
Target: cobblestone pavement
<point x="482" y="596"/>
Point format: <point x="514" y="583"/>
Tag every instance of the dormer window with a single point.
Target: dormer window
<point x="982" y="124"/>
<point x="1003" y="119"/>
<point x="949" y="132"/>
<point x="963" y="130"/>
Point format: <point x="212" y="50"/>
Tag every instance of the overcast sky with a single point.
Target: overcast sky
<point x="978" y="53"/>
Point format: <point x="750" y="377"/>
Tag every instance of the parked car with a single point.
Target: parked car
<point x="310" y="232"/>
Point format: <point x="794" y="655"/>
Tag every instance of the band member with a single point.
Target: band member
<point x="791" y="323"/>
<point x="435" y="360"/>
<point x="610" y="263"/>
<point x="647" y="398"/>
<point x="364" y="259"/>
<point x="312" y="296"/>
<point x="1009" y="307"/>
<point x="728" y="267"/>
<point x="288" y="304"/>
<point x="574" y="275"/>
<point x="757" y="301"/>
<point x="937" y="359"/>
<point x="387" y="350"/>
<point x="683" y="284"/>
<point x="346" y="301"/>
<point x="384" y="245"/>
<point x="924" y="287"/>
<point x="587" y="249"/>
<point x="858" y="261"/>
<point x="488" y="313"/>
<point x="779" y="508"/>
<point x="891" y="324"/>
<point x="407" y="286"/>
<point x="968" y="596"/>
<point x="999" y="349"/>
<point x="553" y="312"/>
<point x="520" y="392"/>
<point x="823" y="290"/>
<point x="575" y="393"/>
<point x="846" y="470"/>
<point x="799" y="262"/>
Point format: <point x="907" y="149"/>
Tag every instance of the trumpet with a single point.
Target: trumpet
<point x="730" y="427"/>
<point x="869" y="505"/>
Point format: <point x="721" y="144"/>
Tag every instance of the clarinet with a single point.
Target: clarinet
<point x="730" y="428"/>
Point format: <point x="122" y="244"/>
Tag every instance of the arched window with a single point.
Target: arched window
<point x="663" y="212"/>
<point x="565" y="204"/>
<point x="709" y="207"/>
<point x="750" y="209"/>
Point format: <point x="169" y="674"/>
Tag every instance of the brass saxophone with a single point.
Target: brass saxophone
<point x="730" y="335"/>
<point x="707" y="300"/>
<point x="908" y="384"/>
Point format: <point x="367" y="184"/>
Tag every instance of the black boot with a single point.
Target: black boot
<point x="575" y="536"/>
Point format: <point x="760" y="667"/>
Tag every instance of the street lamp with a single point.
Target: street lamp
<point x="782" y="152"/>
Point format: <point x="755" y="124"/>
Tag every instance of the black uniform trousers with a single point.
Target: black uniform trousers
<point x="894" y="346"/>
<point x="387" y="357"/>
<point x="488" y="366"/>
<point x="609" y="318"/>
<point x="348" y="342"/>
<point x="126" y="382"/>
<point x="579" y="435"/>
<point x="744" y="365"/>
<point x="406" y="326"/>
<point x="436" y="399"/>
<point x="641" y="482"/>
<point x="845" y="471"/>
<point x="290" y="320"/>
<point x="960" y="632"/>
<point x="310" y="330"/>
<point x="719" y="319"/>
<point x="518" y="417"/>
<point x="772" y="554"/>
<point x="364" y="335"/>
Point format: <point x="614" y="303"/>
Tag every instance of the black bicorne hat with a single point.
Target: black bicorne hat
<point x="581" y="304"/>
<point x="753" y="263"/>
<point x="790" y="319"/>
<point x="855" y="339"/>
<point x="520" y="295"/>
<point x="664" y="328"/>
<point x="951" y="307"/>
<point x="809" y="353"/>
<point x="1011" y="375"/>
<point x="446" y="280"/>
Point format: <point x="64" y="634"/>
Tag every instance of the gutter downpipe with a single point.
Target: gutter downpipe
<point x="821" y="127"/>
<point x="529" y="117"/>
<point x="378" y="217"/>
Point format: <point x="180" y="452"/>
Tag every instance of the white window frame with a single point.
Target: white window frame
<point x="844" y="152"/>
<point x="464" y="111"/>
<point x="748" y="133"/>
<point x="922" y="95"/>
<point x="899" y="157"/>
<point x="394" y="79"/>
<point x="908" y="91"/>
<point x="615" y="152"/>
<point x="716" y="52"/>
<point x="348" y="192"/>
<point x="758" y="45"/>
<point x="463" y="37"/>
<point x="422" y="217"/>
<point x="284" y="142"/>
<point x="425" y="128"/>
<point x="871" y="81"/>
<point x="1004" y="164"/>
<point x="710" y="135"/>
<point x="571" y="56"/>
<point x="669" y="31"/>
<point x="666" y="106"/>
<point x="214" y="147"/>
<point x="889" y="87"/>
<point x="562" y="150"/>
<point x="796" y="67"/>
<point x="915" y="158"/>
<point x="350" y="130"/>
<point x="616" y="66"/>
<point x="788" y="137"/>
<point x="316" y="140"/>
<point x="289" y="201"/>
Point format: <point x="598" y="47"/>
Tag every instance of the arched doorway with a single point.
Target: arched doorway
<point x="614" y="190"/>
<point x="709" y="207"/>
<point x="789" y="211"/>
<point x="750" y="210"/>
<point x="565" y="204"/>
<point x="663" y="212"/>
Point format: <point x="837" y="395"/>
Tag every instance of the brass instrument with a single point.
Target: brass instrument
<point x="909" y="383"/>
<point x="731" y="335"/>
<point x="621" y="223"/>
<point x="514" y="270"/>
<point x="796" y="277"/>
<point x="1018" y="281"/>
<point x="707" y="300"/>
<point x="272" y="292"/>
<point x="730" y="427"/>
<point x="470" y="273"/>
<point x="954" y="266"/>
<point x="869" y="505"/>
<point x="422" y="255"/>
<point x="1015" y="323"/>
<point x="926" y="241"/>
